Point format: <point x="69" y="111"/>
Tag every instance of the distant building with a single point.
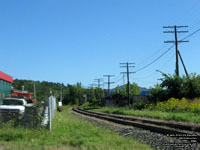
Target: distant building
<point x="144" y="91"/>
<point x="115" y="100"/>
<point x="23" y="94"/>
<point x="5" y="85"/>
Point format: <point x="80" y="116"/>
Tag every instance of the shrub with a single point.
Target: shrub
<point x="177" y="87"/>
<point x="176" y="105"/>
<point x="138" y="105"/>
<point x="150" y="106"/>
<point x="183" y="105"/>
<point x="195" y="107"/>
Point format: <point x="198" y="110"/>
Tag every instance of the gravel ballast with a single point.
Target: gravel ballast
<point x="155" y="140"/>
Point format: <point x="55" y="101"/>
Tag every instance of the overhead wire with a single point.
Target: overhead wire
<point x="144" y="60"/>
<point x="154" y="71"/>
<point x="142" y="68"/>
<point x="118" y="80"/>
<point x="165" y="52"/>
<point x="191" y="34"/>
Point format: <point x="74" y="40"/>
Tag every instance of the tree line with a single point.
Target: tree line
<point x="71" y="94"/>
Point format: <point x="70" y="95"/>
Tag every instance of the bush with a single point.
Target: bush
<point x="85" y="105"/>
<point x="177" y="87"/>
<point x="195" y="106"/>
<point x="157" y="94"/>
<point x="176" y="105"/>
<point x="138" y="105"/>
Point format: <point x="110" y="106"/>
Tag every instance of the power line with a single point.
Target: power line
<point x="153" y="72"/>
<point x="142" y="68"/>
<point x="118" y="80"/>
<point x="191" y="34"/>
<point x="156" y="52"/>
<point x="149" y="64"/>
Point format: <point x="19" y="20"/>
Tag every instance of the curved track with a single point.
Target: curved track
<point x="185" y="131"/>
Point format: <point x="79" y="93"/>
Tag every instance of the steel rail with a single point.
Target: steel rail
<point x="154" y="126"/>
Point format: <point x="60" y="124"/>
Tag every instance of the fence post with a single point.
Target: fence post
<point x="49" y="109"/>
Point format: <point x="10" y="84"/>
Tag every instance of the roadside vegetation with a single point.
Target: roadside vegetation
<point x="157" y="114"/>
<point x="172" y="109"/>
<point x="177" y="87"/>
<point x="176" y="98"/>
<point x="68" y="133"/>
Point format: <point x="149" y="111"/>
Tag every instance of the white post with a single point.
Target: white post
<point x="50" y="99"/>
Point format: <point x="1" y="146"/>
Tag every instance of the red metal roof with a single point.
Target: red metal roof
<point x="6" y="77"/>
<point x="20" y="92"/>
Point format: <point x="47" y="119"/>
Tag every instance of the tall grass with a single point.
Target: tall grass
<point x="177" y="116"/>
<point x="67" y="133"/>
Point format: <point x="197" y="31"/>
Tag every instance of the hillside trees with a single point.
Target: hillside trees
<point x="42" y="88"/>
<point x="76" y="94"/>
<point x="72" y="94"/>
<point x="134" y="89"/>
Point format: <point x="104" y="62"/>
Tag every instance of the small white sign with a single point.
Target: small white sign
<point x="59" y="103"/>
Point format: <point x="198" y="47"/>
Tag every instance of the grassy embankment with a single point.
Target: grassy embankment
<point x="173" y="109"/>
<point x="68" y="133"/>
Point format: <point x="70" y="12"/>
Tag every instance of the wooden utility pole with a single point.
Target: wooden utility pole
<point x="109" y="82"/>
<point x="91" y="86"/>
<point x="99" y="82"/>
<point x="127" y="65"/>
<point x="34" y="92"/>
<point x="99" y="86"/>
<point x="183" y="64"/>
<point x="176" y="44"/>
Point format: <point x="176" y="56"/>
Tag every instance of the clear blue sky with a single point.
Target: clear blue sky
<point x="73" y="41"/>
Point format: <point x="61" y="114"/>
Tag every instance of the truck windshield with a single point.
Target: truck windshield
<point x="12" y="102"/>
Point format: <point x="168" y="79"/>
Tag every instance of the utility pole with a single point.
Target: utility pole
<point x="91" y="86"/>
<point x="124" y="82"/>
<point x="99" y="82"/>
<point x="109" y="82"/>
<point x="61" y="93"/>
<point x="127" y="65"/>
<point x="34" y="92"/>
<point x="99" y="86"/>
<point x="176" y="43"/>
<point x="183" y="64"/>
<point x="103" y="89"/>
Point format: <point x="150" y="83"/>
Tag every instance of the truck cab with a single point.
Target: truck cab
<point x="13" y="106"/>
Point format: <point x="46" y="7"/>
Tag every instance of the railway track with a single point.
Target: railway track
<point x="185" y="132"/>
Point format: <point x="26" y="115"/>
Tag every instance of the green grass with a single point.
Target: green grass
<point x="177" y="116"/>
<point x="68" y="133"/>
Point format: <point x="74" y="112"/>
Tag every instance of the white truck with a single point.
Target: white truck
<point x="13" y="106"/>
